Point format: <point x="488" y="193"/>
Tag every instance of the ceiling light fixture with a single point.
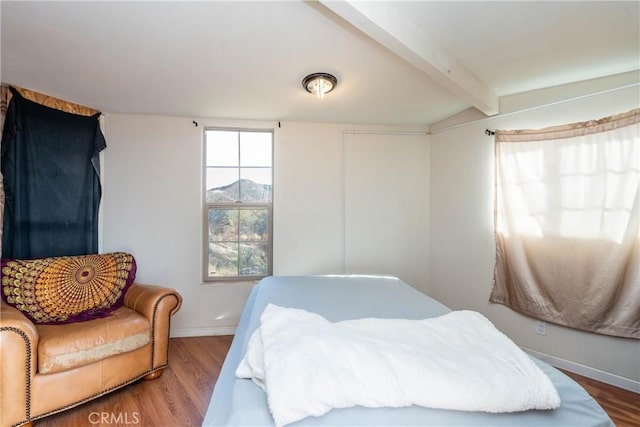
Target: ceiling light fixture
<point x="319" y="83"/>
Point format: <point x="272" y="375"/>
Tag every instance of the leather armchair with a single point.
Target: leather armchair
<point x="45" y="369"/>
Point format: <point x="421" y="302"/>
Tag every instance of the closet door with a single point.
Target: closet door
<point x="387" y="205"/>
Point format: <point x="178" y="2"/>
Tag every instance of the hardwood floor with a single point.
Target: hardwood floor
<point x="622" y="406"/>
<point x="180" y="397"/>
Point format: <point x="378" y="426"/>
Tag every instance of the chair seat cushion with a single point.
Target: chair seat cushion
<point x="69" y="345"/>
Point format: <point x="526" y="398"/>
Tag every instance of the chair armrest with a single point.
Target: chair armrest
<point x="18" y="360"/>
<point x="157" y="304"/>
<point x="145" y="299"/>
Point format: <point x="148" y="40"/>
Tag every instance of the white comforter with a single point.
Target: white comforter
<point x="308" y="365"/>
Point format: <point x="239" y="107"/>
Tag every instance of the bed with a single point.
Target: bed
<point x="241" y="402"/>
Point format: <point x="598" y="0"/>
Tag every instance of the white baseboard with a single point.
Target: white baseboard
<point x="587" y="371"/>
<point x="202" y="332"/>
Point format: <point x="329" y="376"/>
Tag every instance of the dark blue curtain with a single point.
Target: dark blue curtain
<point x="52" y="187"/>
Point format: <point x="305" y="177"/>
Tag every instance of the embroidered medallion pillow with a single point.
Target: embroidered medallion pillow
<point x="69" y="288"/>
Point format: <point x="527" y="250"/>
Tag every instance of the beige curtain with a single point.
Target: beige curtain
<point x="567" y="215"/>
<point x="49" y="101"/>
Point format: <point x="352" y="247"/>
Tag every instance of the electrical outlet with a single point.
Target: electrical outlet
<point x="541" y="328"/>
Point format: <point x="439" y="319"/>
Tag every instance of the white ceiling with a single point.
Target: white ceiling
<point x="246" y="60"/>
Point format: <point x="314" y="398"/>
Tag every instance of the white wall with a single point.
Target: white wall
<point x="308" y="224"/>
<point x="461" y="235"/>
<point x="386" y="209"/>
<point x="152" y="207"/>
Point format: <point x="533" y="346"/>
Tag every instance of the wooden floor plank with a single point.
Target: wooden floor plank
<point x="622" y="406"/>
<point x="180" y="397"/>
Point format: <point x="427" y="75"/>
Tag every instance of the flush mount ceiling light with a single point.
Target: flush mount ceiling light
<point x="319" y="83"/>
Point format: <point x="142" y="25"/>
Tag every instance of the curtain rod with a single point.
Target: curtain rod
<point x="537" y="107"/>
<point x="383" y="132"/>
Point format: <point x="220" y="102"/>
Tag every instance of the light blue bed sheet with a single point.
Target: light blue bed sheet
<point x="239" y="402"/>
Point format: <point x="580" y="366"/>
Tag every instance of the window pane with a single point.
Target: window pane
<point x="222" y="148"/>
<point x="255" y="185"/>
<point x="223" y="225"/>
<point x="223" y="259"/>
<point x="253" y="259"/>
<point x="254" y="224"/>
<point x="255" y="149"/>
<point x="222" y="185"/>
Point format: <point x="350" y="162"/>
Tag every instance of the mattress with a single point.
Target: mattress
<point x="240" y="402"/>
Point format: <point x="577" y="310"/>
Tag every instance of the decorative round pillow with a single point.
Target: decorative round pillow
<point x="69" y="288"/>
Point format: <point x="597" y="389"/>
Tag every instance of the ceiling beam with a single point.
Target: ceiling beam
<point x="388" y="26"/>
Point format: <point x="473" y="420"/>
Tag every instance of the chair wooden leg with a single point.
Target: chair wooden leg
<point x="153" y="375"/>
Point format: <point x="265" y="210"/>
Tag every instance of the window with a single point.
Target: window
<point x="238" y="210"/>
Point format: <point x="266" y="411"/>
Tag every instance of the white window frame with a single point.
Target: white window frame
<point x="206" y="277"/>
